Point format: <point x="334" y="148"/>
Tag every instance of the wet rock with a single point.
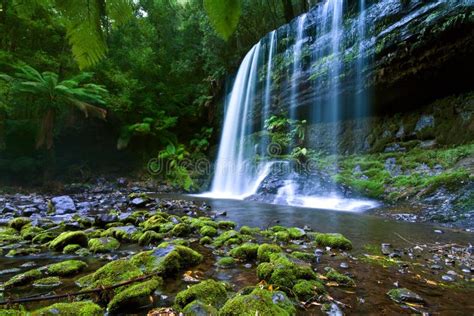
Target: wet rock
<point x="71" y="308"/>
<point x="403" y="295"/>
<point x="386" y="249"/>
<point x="103" y="219"/>
<point x="198" y="308"/>
<point x="392" y="167"/>
<point x="305" y="290"/>
<point x="50" y="282"/>
<point x="66" y="238"/>
<point x="9" y="271"/>
<point x="23" y="278"/>
<point x="63" y="205"/>
<point x="436" y="267"/>
<point x="424" y="122"/>
<point x="19" y="222"/>
<point x="259" y="301"/>
<point x="447" y="278"/>
<point x="339" y="278"/>
<point x="134" y="297"/>
<point x="112" y="273"/>
<point x="19" y="252"/>
<point x="138" y="202"/>
<point x="150" y="237"/>
<point x="209" y="292"/>
<point x="103" y="244"/>
<point x="438" y="231"/>
<point x="66" y="268"/>
<point x="334" y="241"/>
<point x="246" y="251"/>
<point x="344" y="265"/>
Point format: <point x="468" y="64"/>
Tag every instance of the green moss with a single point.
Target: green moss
<point x="227" y="238"/>
<point x="120" y="233"/>
<point x="245" y="251"/>
<point x="66" y="238"/>
<point x="12" y="312"/>
<point x="18" y="252"/>
<point x="69" y="249"/>
<point x="198" y="223"/>
<point x="265" y="250"/>
<point x="341" y="279"/>
<point x="181" y="230"/>
<point x="306" y="290"/>
<point x="208" y="231"/>
<point x="150" y="237"/>
<point x="333" y="241"/>
<point x="19" y="222"/>
<point x="23" y="278"/>
<point x="49" y="282"/>
<point x="259" y="302"/>
<point x="166" y="259"/>
<point x="265" y="270"/>
<point x="29" y="232"/>
<point x="134" y="297"/>
<point x="246" y="230"/>
<point x="43" y="238"/>
<point x="103" y="244"/>
<point x="401" y="295"/>
<point x="226" y="225"/>
<point x="226" y="262"/>
<point x="68" y="267"/>
<point x="296" y="233"/>
<point x="75" y="308"/>
<point x="112" y="273"/>
<point x="209" y="292"/>
<point x="278" y="228"/>
<point x="303" y="255"/>
<point x="282" y="236"/>
<point x="205" y="240"/>
<point x="155" y="222"/>
<point x="198" y="308"/>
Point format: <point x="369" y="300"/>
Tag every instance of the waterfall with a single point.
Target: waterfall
<point x="269" y="82"/>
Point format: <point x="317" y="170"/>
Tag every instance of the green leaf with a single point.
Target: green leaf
<point x="224" y="15"/>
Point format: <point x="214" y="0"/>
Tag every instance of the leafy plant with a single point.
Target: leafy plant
<point x="174" y="158"/>
<point x="224" y="15"/>
<point x="200" y="142"/>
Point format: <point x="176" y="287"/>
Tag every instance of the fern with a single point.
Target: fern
<point x="224" y="15"/>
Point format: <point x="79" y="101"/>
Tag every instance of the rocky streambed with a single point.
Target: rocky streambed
<point x="121" y="250"/>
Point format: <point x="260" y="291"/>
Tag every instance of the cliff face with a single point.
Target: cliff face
<point x="413" y="52"/>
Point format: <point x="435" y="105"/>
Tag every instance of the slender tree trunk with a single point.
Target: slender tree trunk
<point x="288" y="10"/>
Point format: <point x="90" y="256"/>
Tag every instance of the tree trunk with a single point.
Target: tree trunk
<point x="288" y="10"/>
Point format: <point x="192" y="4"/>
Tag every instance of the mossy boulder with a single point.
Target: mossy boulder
<point x="121" y="233"/>
<point x="23" y="278"/>
<point x="12" y="312"/>
<point x="66" y="268"/>
<point x="19" y="222"/>
<point x="283" y="236"/>
<point x="112" y="273"/>
<point x="226" y="225"/>
<point x="43" y="238"/>
<point x="247" y="251"/>
<point x="134" y="297"/>
<point x="103" y="244"/>
<point x="296" y="233"/>
<point x="208" y="231"/>
<point x="155" y="222"/>
<point x="19" y="252"/>
<point x="265" y="250"/>
<point x="302" y="255"/>
<point x="181" y="230"/>
<point x="70" y="249"/>
<point x="230" y="237"/>
<point x="246" y="230"/>
<point x="150" y="237"/>
<point x="9" y="235"/>
<point x="198" y="308"/>
<point x="226" y="262"/>
<point x="403" y="295"/>
<point x="339" y="278"/>
<point x="50" y="282"/>
<point x="166" y="259"/>
<point x="67" y="238"/>
<point x="205" y="240"/>
<point x="28" y="232"/>
<point x="85" y="308"/>
<point x="306" y="290"/>
<point x="209" y="292"/>
<point x="259" y="302"/>
<point x="333" y="241"/>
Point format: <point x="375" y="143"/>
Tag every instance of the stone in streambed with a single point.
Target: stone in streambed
<point x="19" y="222"/>
<point x="65" y="268"/>
<point x="404" y="295"/>
<point x="334" y="241"/>
<point x="150" y="237"/>
<point x="103" y="244"/>
<point x="85" y="308"/>
<point x="305" y="290"/>
<point x="23" y="278"/>
<point x="66" y="238"/>
<point x="198" y="308"/>
<point x="247" y="251"/>
<point x="63" y="205"/>
<point x="209" y="292"/>
<point x="265" y="250"/>
<point x="20" y="252"/>
<point x="226" y="262"/>
<point x="50" y="282"/>
<point x="134" y="297"/>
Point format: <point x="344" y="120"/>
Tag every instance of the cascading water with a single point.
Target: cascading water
<point x="246" y="159"/>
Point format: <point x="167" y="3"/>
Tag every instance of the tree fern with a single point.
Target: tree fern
<point x="224" y="15"/>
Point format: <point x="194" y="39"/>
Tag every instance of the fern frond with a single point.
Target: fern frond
<point x="119" y="11"/>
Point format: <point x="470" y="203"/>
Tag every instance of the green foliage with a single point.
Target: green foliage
<point x="174" y="159"/>
<point x="224" y="15"/>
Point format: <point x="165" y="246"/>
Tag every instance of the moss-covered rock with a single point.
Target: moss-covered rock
<point x="334" y="241"/>
<point x="208" y="231"/>
<point x="226" y="225"/>
<point x="226" y="262"/>
<point x="247" y="251"/>
<point x="181" y="230"/>
<point x="134" y="297"/>
<point x="282" y="236"/>
<point x="23" y="278"/>
<point x="68" y="267"/>
<point x="403" y="295"/>
<point x="296" y="233"/>
<point x="103" y="244"/>
<point x="205" y="240"/>
<point x="246" y="230"/>
<point x="19" y="222"/>
<point x="121" y="233"/>
<point x="75" y="308"/>
<point x="302" y="255"/>
<point x="70" y="249"/>
<point x="112" y="273"/>
<point x="155" y="222"/>
<point x="306" y="290"/>
<point x="209" y="292"/>
<point x="259" y="302"/>
<point x="150" y="237"/>
<point x="166" y="259"/>
<point x="19" y="252"/>
<point x="43" y="238"/>
<point x="67" y="238"/>
<point x="29" y="232"/>
<point x="9" y="235"/>
<point x="198" y="308"/>
<point x="339" y="278"/>
<point x="265" y="250"/>
<point x="12" y="312"/>
<point x="50" y="282"/>
<point x="228" y="238"/>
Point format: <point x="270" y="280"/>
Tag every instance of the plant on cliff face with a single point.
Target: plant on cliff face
<point x="174" y="160"/>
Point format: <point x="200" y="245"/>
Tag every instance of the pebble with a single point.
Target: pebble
<point x="447" y="278"/>
<point x="436" y="267"/>
<point x="344" y="265"/>
<point x="386" y="249"/>
<point x="451" y="272"/>
<point x="466" y="270"/>
<point x="438" y="231"/>
<point x="248" y="265"/>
